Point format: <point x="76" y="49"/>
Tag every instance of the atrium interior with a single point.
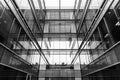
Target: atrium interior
<point x="59" y="40"/>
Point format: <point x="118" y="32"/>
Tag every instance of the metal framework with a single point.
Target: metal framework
<point x="99" y="16"/>
<point x="62" y="25"/>
<point x="64" y="42"/>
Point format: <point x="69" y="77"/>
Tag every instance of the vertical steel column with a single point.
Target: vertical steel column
<point x="59" y="9"/>
<point x="30" y="77"/>
<point x="39" y="67"/>
<point x="80" y="63"/>
<point x="27" y="77"/>
<point x="108" y="30"/>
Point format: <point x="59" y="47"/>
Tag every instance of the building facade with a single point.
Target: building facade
<point x="59" y="39"/>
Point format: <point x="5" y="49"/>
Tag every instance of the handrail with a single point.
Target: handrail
<point x="14" y="53"/>
<point x="102" y="55"/>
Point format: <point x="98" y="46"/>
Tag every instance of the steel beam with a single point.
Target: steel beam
<point x="48" y="52"/>
<point x="83" y="15"/>
<point x="78" y="8"/>
<point x="100" y="17"/>
<point x="106" y="5"/>
<point x="59" y="20"/>
<point x="72" y="47"/>
<point x="64" y="49"/>
<point x="18" y="14"/>
<point x="75" y="4"/>
<point x="94" y="19"/>
<point x="57" y="51"/>
<point x="51" y="35"/>
<point x="44" y="5"/>
<point x="62" y="10"/>
<point x="35" y="15"/>
<point x="40" y="6"/>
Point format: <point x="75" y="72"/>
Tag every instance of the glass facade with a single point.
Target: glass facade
<point x="59" y="39"/>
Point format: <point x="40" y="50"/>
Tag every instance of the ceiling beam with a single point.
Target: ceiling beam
<point x="83" y="15"/>
<point x="96" y="20"/>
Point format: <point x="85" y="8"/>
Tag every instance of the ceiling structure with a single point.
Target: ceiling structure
<point x="63" y="25"/>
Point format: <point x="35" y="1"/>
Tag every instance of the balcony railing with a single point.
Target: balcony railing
<point x="60" y="73"/>
<point x="107" y="59"/>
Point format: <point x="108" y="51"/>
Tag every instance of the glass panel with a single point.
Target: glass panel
<point x="59" y="42"/>
<point x="70" y="4"/>
<point x="52" y="4"/>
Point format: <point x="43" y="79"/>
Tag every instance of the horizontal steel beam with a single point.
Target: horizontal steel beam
<point x="62" y="10"/>
<point x="66" y="10"/>
<point x="58" y="49"/>
<point x="59" y="20"/>
<point x="51" y="35"/>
